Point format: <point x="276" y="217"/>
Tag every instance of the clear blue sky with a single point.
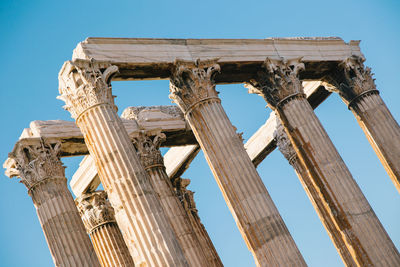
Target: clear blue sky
<point x="38" y="36"/>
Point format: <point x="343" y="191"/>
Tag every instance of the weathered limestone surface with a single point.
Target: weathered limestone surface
<point x="149" y="154"/>
<point x="168" y="119"/>
<point x="262" y="142"/>
<point x="360" y="230"/>
<point x="98" y="216"/>
<point x="319" y="198"/>
<point x="187" y="201"/>
<point x="260" y="223"/>
<point x="355" y="85"/>
<point x="177" y="159"/>
<point x="85" y="87"/>
<point x="140" y="58"/>
<point x="38" y="165"/>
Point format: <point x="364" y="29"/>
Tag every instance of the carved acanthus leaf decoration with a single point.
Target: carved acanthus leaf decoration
<point x="95" y="209"/>
<point x="83" y="84"/>
<point x="277" y="81"/>
<point x="34" y="163"/>
<point x="351" y="80"/>
<point x="148" y="148"/>
<point x="193" y="82"/>
<point x="284" y="144"/>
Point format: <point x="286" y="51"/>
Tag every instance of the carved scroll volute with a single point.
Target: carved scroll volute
<point x="277" y="81"/>
<point x="351" y="80"/>
<point x="148" y="148"/>
<point x="83" y="84"/>
<point x="193" y="82"/>
<point x="95" y="210"/>
<point x="36" y="162"/>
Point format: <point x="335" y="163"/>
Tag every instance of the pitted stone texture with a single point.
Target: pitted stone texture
<point x="244" y="192"/>
<point x="98" y="217"/>
<point x="148" y="151"/>
<point x="350" y="211"/>
<point x="41" y="170"/>
<point x="143" y="223"/>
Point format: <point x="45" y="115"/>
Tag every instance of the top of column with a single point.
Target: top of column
<point x="351" y="79"/>
<point x="95" y="210"/>
<point x="35" y="162"/>
<point x="193" y="82"/>
<point x="278" y="81"/>
<point x="84" y="84"/>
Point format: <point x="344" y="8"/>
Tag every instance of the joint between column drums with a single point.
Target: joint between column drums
<point x="191" y="107"/>
<point x="289" y="98"/>
<point x="366" y="93"/>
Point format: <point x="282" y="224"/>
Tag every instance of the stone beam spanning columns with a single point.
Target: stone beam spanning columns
<point x="147" y="146"/>
<point x="85" y="87"/>
<point x="187" y="201"/>
<point x="99" y="220"/>
<point x="365" y="239"/>
<point x="266" y="235"/>
<point x="355" y="85"/>
<point x="38" y="165"/>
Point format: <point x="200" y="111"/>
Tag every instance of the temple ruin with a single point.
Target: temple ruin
<point x="146" y="216"/>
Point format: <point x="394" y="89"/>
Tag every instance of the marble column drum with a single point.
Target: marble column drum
<point x="355" y="85"/>
<point x="147" y="146"/>
<point x="85" y="87"/>
<point x="364" y="236"/>
<point x="42" y="172"/>
<point x="98" y="217"/>
<point x="266" y="235"/>
<point x="187" y="201"/>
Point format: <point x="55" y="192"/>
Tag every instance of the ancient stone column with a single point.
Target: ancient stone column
<point x="266" y="235"/>
<point x="355" y="85"/>
<point x="85" y="87"/>
<point x="320" y="199"/>
<point x="187" y="200"/>
<point x="98" y="217"/>
<point x="147" y="146"/>
<point x="42" y="172"/>
<point x="358" y="228"/>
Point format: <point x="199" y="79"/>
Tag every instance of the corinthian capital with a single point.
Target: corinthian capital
<point x="351" y="80"/>
<point x="35" y="162"/>
<point x="193" y="82"/>
<point x="95" y="210"/>
<point x="277" y="81"/>
<point x="83" y="84"/>
<point x="148" y="148"/>
<point x="284" y="144"/>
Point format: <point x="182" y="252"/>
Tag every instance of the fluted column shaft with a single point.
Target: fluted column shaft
<point x="363" y="235"/>
<point x="86" y="90"/>
<point x="355" y="85"/>
<point x="42" y="172"/>
<point x="320" y="198"/>
<point x="259" y="221"/>
<point x="187" y="201"/>
<point x="99" y="220"/>
<point x="147" y="147"/>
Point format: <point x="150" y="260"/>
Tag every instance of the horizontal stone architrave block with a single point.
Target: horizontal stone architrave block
<point x="141" y="58"/>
